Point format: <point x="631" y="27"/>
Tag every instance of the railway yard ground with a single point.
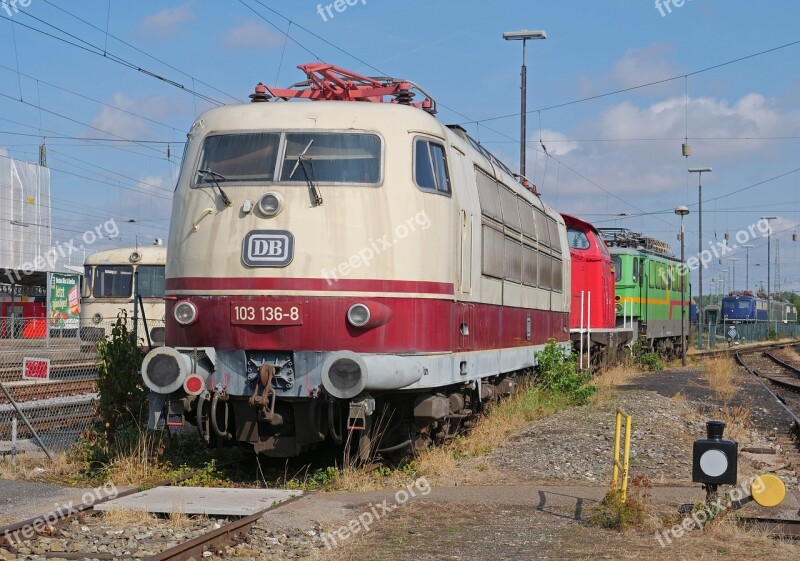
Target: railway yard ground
<point x="536" y="496"/>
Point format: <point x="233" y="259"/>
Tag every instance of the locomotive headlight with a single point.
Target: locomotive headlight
<point x="358" y="315"/>
<point x="97" y="318"/>
<point x="618" y="308"/>
<point x="270" y="204"/>
<point x="185" y="313"/>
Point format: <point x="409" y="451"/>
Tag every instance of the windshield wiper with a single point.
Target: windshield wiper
<point x="316" y="200"/>
<point x="214" y="176"/>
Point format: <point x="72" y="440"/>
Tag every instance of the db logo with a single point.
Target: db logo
<point x="268" y="248"/>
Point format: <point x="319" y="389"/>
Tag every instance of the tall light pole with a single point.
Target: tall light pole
<point x="769" y="237"/>
<point x="684" y="275"/>
<point x="724" y="279"/>
<point x="700" y="172"/>
<point x="523" y="36"/>
<point x="733" y="261"/>
<point x="747" y="247"/>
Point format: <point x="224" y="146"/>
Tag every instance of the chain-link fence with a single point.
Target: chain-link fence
<point x="49" y="381"/>
<point x="719" y="335"/>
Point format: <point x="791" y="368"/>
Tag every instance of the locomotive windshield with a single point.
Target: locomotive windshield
<point x="112" y="281"/>
<point x="240" y="158"/>
<point x="336" y="158"/>
<point x="151" y="281"/>
<point x="253" y="158"/>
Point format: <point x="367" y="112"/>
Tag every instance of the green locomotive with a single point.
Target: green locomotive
<point x="649" y="282"/>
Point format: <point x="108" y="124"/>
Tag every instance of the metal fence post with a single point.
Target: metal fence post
<point x="25" y="420"/>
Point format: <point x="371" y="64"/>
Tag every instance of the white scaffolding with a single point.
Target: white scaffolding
<point x="25" y="232"/>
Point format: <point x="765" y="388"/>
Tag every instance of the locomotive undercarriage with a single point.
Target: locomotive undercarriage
<point x="368" y="425"/>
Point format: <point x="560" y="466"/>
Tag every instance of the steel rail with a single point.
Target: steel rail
<point x="791" y="413"/>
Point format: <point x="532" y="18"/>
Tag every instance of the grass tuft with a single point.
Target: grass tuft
<point x="718" y="373"/>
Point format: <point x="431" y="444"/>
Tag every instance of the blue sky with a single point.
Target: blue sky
<point x="619" y="154"/>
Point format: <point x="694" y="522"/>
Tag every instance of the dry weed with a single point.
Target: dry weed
<point x="718" y="373"/>
<point x="36" y="467"/>
<point x="618" y="375"/>
<point x="120" y="517"/>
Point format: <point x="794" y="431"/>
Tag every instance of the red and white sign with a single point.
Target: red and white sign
<point x="36" y="369"/>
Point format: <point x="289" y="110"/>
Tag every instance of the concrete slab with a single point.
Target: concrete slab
<point x="200" y="501"/>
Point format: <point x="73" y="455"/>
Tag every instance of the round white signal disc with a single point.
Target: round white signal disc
<point x="713" y="463"/>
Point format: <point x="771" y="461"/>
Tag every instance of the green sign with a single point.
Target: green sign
<point x="64" y="301"/>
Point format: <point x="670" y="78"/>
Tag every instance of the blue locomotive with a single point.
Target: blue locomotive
<point x="744" y="307"/>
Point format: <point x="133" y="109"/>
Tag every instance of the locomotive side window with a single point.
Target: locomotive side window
<point x="552" y="227"/>
<point x="600" y="243"/>
<point x="530" y="266"/>
<point x="238" y="158"/>
<point x="430" y="166"/>
<point x="86" y="289"/>
<point x="528" y="221"/>
<point x="112" y="281"/>
<point x="617" y="261"/>
<point x="508" y="204"/>
<point x="332" y="158"/>
<point x="577" y="239"/>
<point x="488" y="195"/>
<point x="492" y="252"/>
<point x="513" y="261"/>
<point x="541" y="227"/>
<point x="151" y="281"/>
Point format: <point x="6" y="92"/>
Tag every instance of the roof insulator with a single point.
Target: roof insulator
<point x="261" y="94"/>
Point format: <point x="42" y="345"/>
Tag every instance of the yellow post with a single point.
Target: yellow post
<point x="615" y="471"/>
<point x="625" y="463"/>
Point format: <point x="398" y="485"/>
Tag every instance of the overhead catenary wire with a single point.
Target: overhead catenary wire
<point x="644" y="85"/>
<point x="93" y="49"/>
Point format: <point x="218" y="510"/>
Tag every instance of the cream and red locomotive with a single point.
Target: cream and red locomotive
<point x="349" y="266"/>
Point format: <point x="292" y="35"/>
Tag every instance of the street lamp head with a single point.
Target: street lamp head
<point x="524" y="35"/>
<point x="748" y="246"/>
<point x="682" y="210"/>
<point x="769" y="218"/>
<point x="699" y="170"/>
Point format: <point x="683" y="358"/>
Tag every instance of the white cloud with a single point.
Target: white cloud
<point x="645" y="65"/>
<point x="167" y="21"/>
<point x="637" y="165"/>
<point x="125" y="125"/>
<point x="252" y="34"/>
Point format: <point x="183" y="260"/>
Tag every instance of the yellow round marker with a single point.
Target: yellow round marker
<point x="768" y="490"/>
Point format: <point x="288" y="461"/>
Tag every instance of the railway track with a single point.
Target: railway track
<point x="231" y="532"/>
<point x="31" y="391"/>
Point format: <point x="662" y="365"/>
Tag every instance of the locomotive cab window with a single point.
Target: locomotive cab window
<point x="112" y="281"/>
<point x="430" y="166"/>
<point x="331" y="158"/>
<point x="577" y="238"/>
<point x="151" y="281"/>
<point x="238" y="158"/>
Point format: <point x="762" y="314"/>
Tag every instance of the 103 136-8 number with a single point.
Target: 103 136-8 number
<point x="266" y="314"/>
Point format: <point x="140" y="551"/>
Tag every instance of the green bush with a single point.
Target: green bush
<point x="647" y="359"/>
<point x="122" y="395"/>
<point x="557" y="374"/>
